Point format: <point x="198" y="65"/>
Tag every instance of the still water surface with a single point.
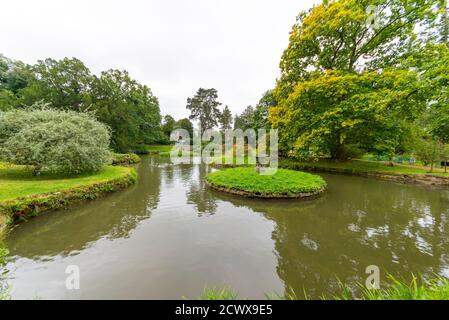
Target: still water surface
<point x="169" y="236"/>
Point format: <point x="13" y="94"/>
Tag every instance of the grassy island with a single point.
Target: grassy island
<point x="246" y="181"/>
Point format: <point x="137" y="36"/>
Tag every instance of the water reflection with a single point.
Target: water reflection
<point x="170" y="235"/>
<point x="357" y="223"/>
<point x="71" y="230"/>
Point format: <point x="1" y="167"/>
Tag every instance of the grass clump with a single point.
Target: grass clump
<point x="4" y="287"/>
<point x="124" y="159"/>
<point x="216" y="293"/>
<point x="436" y="288"/>
<point x="283" y="183"/>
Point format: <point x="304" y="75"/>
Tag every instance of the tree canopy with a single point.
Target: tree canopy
<point x="203" y="107"/>
<point x="127" y="107"/>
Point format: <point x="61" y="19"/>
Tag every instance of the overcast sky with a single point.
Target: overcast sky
<point x="173" y="46"/>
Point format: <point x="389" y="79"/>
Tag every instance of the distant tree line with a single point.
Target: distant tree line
<point x="126" y="106"/>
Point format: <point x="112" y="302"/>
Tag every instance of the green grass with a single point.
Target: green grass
<point x="157" y="149"/>
<point x="416" y="289"/>
<point x="216" y="293"/>
<point x="359" y="166"/>
<point x="282" y="183"/>
<point x="4" y="287"/>
<point x="18" y="181"/>
<point x="125" y="158"/>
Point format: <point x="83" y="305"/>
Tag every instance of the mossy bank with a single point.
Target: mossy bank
<point x="282" y="183"/>
<point x="23" y="195"/>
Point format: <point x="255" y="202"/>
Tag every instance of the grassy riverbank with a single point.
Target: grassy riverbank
<point x="362" y="166"/>
<point x="23" y="195"/>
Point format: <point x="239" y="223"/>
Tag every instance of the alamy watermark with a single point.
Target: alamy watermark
<point x="229" y="147"/>
<point x="73" y="279"/>
<point x="373" y="279"/>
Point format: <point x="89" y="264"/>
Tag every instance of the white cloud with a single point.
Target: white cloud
<point x="173" y="46"/>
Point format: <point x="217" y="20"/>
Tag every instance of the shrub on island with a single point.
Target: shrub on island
<point x="246" y="181"/>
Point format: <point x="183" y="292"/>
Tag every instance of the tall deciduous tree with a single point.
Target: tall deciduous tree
<point x="327" y="113"/>
<point x="203" y="107"/>
<point x="346" y="35"/>
<point x="168" y="125"/>
<point x="64" y="83"/>
<point x="185" y="124"/>
<point x="129" y="108"/>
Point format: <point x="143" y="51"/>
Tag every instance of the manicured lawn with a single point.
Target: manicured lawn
<point x="283" y="182"/>
<point x="18" y="181"/>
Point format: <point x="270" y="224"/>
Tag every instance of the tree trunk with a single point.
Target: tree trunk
<point x="338" y="151"/>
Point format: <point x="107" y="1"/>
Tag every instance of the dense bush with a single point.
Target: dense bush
<point x="53" y="141"/>
<point x="124" y="159"/>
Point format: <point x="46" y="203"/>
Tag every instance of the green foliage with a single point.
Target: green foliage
<point x="417" y="289"/>
<point x="282" y="183"/>
<point x="426" y="151"/>
<point x="215" y="293"/>
<point x="185" y="124"/>
<point x="203" y="107"/>
<point x="24" y="195"/>
<point x="226" y="119"/>
<point x="168" y="126"/>
<point x="325" y="114"/>
<point x="53" y="141"/>
<point x="436" y="288"/>
<point x="14" y="75"/>
<point x="4" y="288"/>
<point x="336" y="36"/>
<point x="256" y="118"/>
<point x="128" y="108"/>
<point x="352" y="167"/>
<point x="432" y="62"/>
<point x="156" y="149"/>
<point x="245" y="119"/>
<point x="63" y="83"/>
<point x="124" y="159"/>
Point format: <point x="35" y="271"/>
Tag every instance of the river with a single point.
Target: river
<point x="169" y="236"/>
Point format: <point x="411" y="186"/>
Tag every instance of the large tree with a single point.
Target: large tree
<point x="129" y="108"/>
<point x="203" y="107"/>
<point x="325" y="115"/>
<point x="346" y="35"/>
<point x="185" y="124"/>
<point x="64" y="83"/>
<point x="226" y="118"/>
<point x="168" y="125"/>
<point x="245" y="120"/>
